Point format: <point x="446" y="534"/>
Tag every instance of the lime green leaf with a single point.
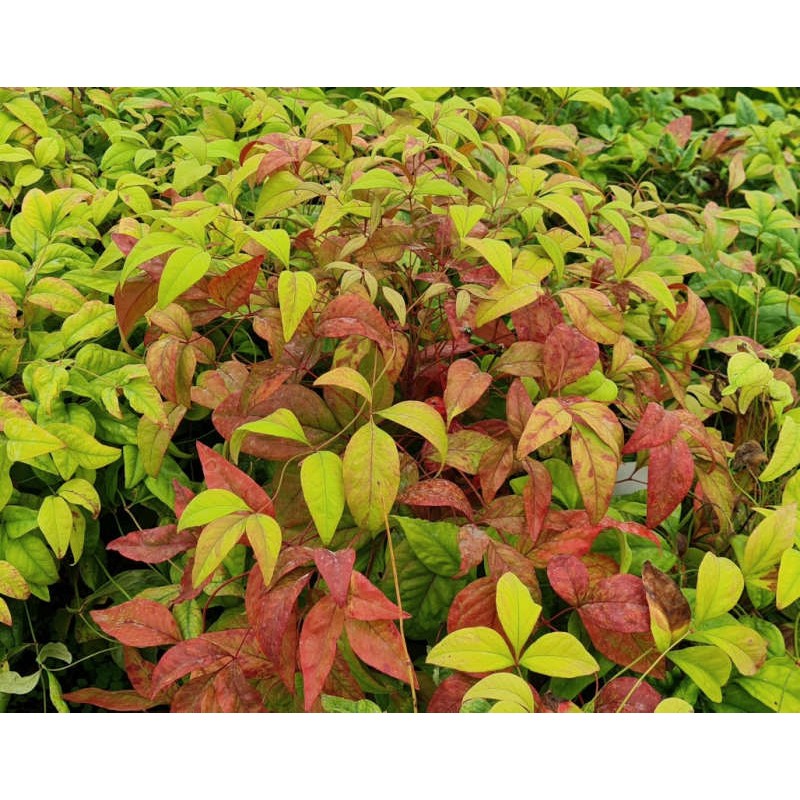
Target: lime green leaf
<point x="208" y="506"/>
<point x="275" y="240"/>
<point x="673" y="705"/>
<point x="27" y="112"/>
<point x="55" y="522"/>
<point x="27" y="440"/>
<point x="465" y="218"/>
<point x="396" y="301"/>
<point x="296" y="291"/>
<point x="559" y="655"/>
<point x="523" y="289"/>
<point x="282" y="423"/>
<point x="182" y="271"/>
<point x="707" y="666"/>
<point x="82" y="447"/>
<point x="655" y="286"/>
<point x="378" y="179"/>
<point x="13" y="683"/>
<point x="461" y="126"/>
<point x="719" y="585"/>
<point x="503" y="686"/>
<point x="496" y="252"/>
<point x="322" y="482"/>
<point x="371" y="472"/>
<point x="569" y="210"/>
<point x="422" y="419"/>
<point x="477" y="649"/>
<point x="346" y="378"/>
<point x="92" y="320"/>
<point x="148" y="247"/>
<point x="264" y="535"/>
<point x="187" y="172"/>
<point x="516" y="610"/>
<point x="765" y="545"/>
<point x="786" y="454"/>
<point x="788" y="578"/>
<point x="776" y="685"/>
<point x="740" y="643"/>
<point x="30" y="555"/>
<point x="215" y="542"/>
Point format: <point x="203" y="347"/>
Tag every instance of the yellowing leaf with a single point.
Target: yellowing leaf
<point x="264" y="535"/>
<point x="559" y="655"/>
<point x="673" y="705"/>
<point x="378" y="179"/>
<point x="786" y="454"/>
<point x="322" y="482"/>
<point x="593" y="314"/>
<point x="568" y="210"/>
<point x="55" y="522"/>
<point x="476" y="649"/>
<point x="505" y="687"/>
<point x="371" y="471"/>
<point x="208" y="506"/>
<point x="346" y="378"/>
<point x="275" y="240"/>
<point x="707" y="666"/>
<point x="496" y="252"/>
<point x="740" y="643"/>
<point x="788" y="578"/>
<point x="465" y="218"/>
<point x="548" y="420"/>
<point x="422" y="419"/>
<point x="523" y="289"/>
<point x="296" y="291"/>
<point x="719" y="585"/>
<point x="215" y="542"/>
<point x="765" y="545"/>
<point x="655" y="286"/>
<point x="516" y="610"/>
<point x="26" y="440"/>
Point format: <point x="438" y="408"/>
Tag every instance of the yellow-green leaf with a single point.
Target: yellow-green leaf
<point x="673" y="705"/>
<point x="465" y="218"/>
<point x="208" y="506"/>
<point x="503" y="686"/>
<point x="707" y="666"/>
<point x="765" y="545"/>
<point x="719" y="585"/>
<point x="322" y="482"/>
<point x="215" y="542"/>
<point x="559" y="655"/>
<point x="741" y="644"/>
<point x="346" y="378"/>
<point x="655" y="286"/>
<point x="476" y="649"/>
<point x="264" y="535"/>
<point x="788" y="578"/>
<point x="182" y="271"/>
<point x="26" y="440"/>
<point x="55" y="522"/>
<point x="516" y="610"/>
<point x="786" y="454"/>
<point x="275" y="240"/>
<point x="496" y="252"/>
<point x="548" y="420"/>
<point x="80" y="492"/>
<point x="282" y="423"/>
<point x="422" y="419"/>
<point x="569" y="211"/>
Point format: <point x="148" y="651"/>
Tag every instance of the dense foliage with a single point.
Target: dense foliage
<point x="392" y="400"/>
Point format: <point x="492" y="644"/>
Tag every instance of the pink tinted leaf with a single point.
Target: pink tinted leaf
<point x="669" y="478"/>
<point x="569" y="578"/>
<point x="568" y="355"/>
<point x="378" y="643"/>
<point x="351" y="314"/>
<point x="536" y="495"/>
<point x="125" y="700"/>
<point x="321" y="630"/>
<point x="437" y="492"/>
<point x="336" y="570"/>
<point x="201" y="654"/>
<point x="232" y="290"/>
<point x="219" y="473"/>
<point x="464" y="387"/>
<point x="472" y="544"/>
<point x="366" y="602"/>
<point x="656" y="427"/>
<point x="139" y="623"/>
<point x="154" y="545"/>
<point x="449" y="694"/>
<point x="643" y="698"/>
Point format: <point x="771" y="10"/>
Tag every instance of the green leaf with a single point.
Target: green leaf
<point x="13" y="683"/>
<point x="707" y="666"/>
<point x="786" y="454"/>
<point x="422" y="419"/>
<point x="371" y="472"/>
<point x="765" y="545"/>
<point x="264" y="535"/>
<point x="296" y="291"/>
<point x="55" y="522"/>
<point x="378" y="179"/>
<point x="282" y="423"/>
<point x="435" y="544"/>
<point x="275" y="240"/>
<point x="516" y="610"/>
<point x="788" y="578"/>
<point x="26" y="440"/>
<point x="496" y="252"/>
<point x="93" y="320"/>
<point x="322" y="482"/>
<point x="776" y="685"/>
<point x="341" y="705"/>
<point x="208" y="506"/>
<point x="569" y="211"/>
<point x="147" y="248"/>
<point x="740" y="643"/>
<point x="477" y="649"/>
<point x="182" y="271"/>
<point x="559" y="655"/>
<point x="505" y="687"/>
<point x="673" y="705"/>
<point x="34" y="561"/>
<point x="83" y="447"/>
<point x="465" y="218"/>
<point x="655" y="286"/>
<point x="346" y="378"/>
<point x="216" y="541"/>
<point x="719" y="585"/>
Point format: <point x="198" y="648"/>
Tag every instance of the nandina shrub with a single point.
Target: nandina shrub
<point x="366" y="371"/>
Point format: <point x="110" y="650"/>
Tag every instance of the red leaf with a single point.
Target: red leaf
<point x="681" y="129"/>
<point x="437" y="492"/>
<point x="202" y="655"/>
<point x="351" y="314"/>
<point x="232" y="290"/>
<point x="197" y="696"/>
<point x="669" y="478"/>
<point x="475" y="606"/>
<point x="656" y="427"/>
<point x="221" y="474"/>
<point x="464" y="387"/>
<point x="132" y="300"/>
<point x="139" y="623"/>
<point x="367" y="603"/>
<point x="535" y="321"/>
<point x="234" y="694"/>
<point x="519" y="407"/>
<point x="183" y="496"/>
<point x="636" y="651"/>
<point x="321" y="630"/>
<point x="502" y="558"/>
<point x="154" y="545"/>
<point x="472" y="544"/>
<point x="379" y="644"/>
<point x="617" y="603"/>
<point x="124" y="242"/>
<point x="171" y="364"/>
<point x="569" y="578"/>
<point x="536" y="495"/>
<point x="634" y="528"/>
<point x="336" y="570"/>
<point x="643" y="700"/>
<point x="494" y="468"/>
<point x="125" y="700"/>
<point x="449" y="694"/>
<point x="568" y="355"/>
<point x="506" y="514"/>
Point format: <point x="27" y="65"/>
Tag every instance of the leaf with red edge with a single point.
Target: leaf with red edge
<point x="171" y="364"/>
<point x="536" y="495"/>
<point x="125" y="700"/>
<point x="669" y="477"/>
<point x="568" y="355"/>
<point x="219" y="473"/>
<point x="595" y="465"/>
<point x="623" y="695"/>
<point x="351" y="314"/>
<point x="437" y="492"/>
<point x="472" y="544"/>
<point x="132" y="301"/>
<point x="449" y="694"/>
<point x="154" y="545"/>
<point x="502" y="558"/>
<point x="636" y="651"/>
<point x="669" y="611"/>
<point x="568" y="578"/>
<point x="378" y="643"/>
<point x="139" y="623"/>
<point x="368" y="603"/>
<point x="321" y="630"/>
<point x="336" y="569"/>
<point x="656" y="427"/>
<point x="464" y="387"/>
<point x="537" y="320"/>
<point x="232" y="290"/>
<point x="691" y="328"/>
